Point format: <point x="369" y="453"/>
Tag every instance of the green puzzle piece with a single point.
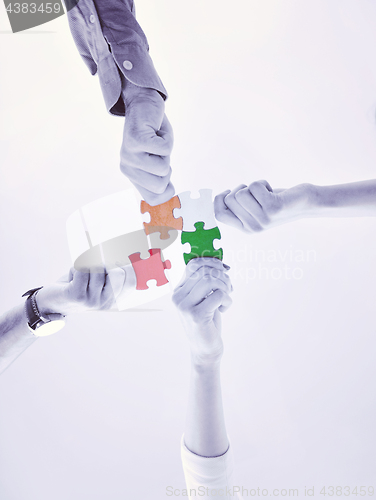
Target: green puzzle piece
<point x="201" y="242"/>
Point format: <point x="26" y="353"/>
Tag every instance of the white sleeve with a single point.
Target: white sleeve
<point x="209" y="477"/>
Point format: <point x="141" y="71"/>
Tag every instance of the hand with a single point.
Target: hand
<point x="84" y="291"/>
<point x="257" y="207"/>
<point x="200" y="297"/>
<point x="147" y="144"/>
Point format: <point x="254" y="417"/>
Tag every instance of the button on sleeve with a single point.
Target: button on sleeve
<point x="137" y="66"/>
<point x="127" y="65"/>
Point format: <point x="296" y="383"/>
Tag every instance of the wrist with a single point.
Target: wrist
<point x="327" y="201"/>
<point x="308" y="197"/>
<point x="130" y="91"/>
<point x="46" y="303"/>
<point x="206" y="363"/>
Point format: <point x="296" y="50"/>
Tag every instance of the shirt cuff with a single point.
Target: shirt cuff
<point x="214" y="473"/>
<point x="135" y="63"/>
<point x="110" y="82"/>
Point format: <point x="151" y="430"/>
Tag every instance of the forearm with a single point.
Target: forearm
<point x="357" y="199"/>
<point x="112" y="44"/>
<point x="15" y="336"/>
<point x="205" y="432"/>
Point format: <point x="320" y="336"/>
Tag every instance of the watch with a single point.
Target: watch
<point x="39" y="325"/>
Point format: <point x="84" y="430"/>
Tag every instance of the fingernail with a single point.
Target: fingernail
<point x="226" y="266"/>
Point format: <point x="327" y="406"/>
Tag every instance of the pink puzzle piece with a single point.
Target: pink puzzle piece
<point x="151" y="268"/>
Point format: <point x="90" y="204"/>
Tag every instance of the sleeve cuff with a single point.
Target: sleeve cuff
<point x="110" y="82"/>
<point x="211" y="472"/>
<point x="126" y="51"/>
<point x="137" y="66"/>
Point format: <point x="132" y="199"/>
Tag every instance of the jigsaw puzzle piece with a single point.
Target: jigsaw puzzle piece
<point x="201" y="241"/>
<point x="152" y="268"/>
<point x="196" y="209"/>
<point x="162" y="218"/>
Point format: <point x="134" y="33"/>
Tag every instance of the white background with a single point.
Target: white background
<point x="283" y="90"/>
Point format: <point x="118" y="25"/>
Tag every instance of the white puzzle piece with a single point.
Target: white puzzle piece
<point x="196" y="210"/>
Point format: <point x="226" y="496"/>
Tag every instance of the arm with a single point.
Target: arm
<point x="201" y="296"/>
<point x="357" y="199"/>
<point x="15" y="337"/>
<point x="112" y="43"/>
<point x="78" y="292"/>
<point x="200" y="299"/>
<point x="147" y="144"/>
<point x="258" y="207"/>
<point x="205" y="431"/>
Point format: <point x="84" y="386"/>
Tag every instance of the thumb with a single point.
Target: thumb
<point x="260" y="190"/>
<point x="166" y="128"/>
<point x="157" y="143"/>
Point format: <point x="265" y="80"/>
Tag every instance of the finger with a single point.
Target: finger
<point x="167" y="134"/>
<point x="204" y="261"/>
<point x="194" y="291"/>
<point x="142" y="136"/>
<point x="153" y="164"/>
<point x="225" y="304"/>
<point x="143" y="160"/>
<point x="186" y="284"/>
<point x="246" y="200"/>
<point x="153" y="183"/>
<point x="261" y="190"/>
<point x="208" y="264"/>
<point x="153" y="198"/>
<point x="97" y="282"/>
<point x="249" y="223"/>
<point x="166" y="131"/>
<point x="199" y="263"/>
<point x="211" y="303"/>
<point x="202" y="289"/>
<point x="79" y="284"/>
<point x="156" y="165"/>
<point x="223" y="213"/>
<point x="156" y="144"/>
<point x="195" y="264"/>
<point x="205" y="279"/>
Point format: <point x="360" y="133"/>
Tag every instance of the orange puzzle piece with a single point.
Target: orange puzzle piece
<point x="162" y="218"/>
